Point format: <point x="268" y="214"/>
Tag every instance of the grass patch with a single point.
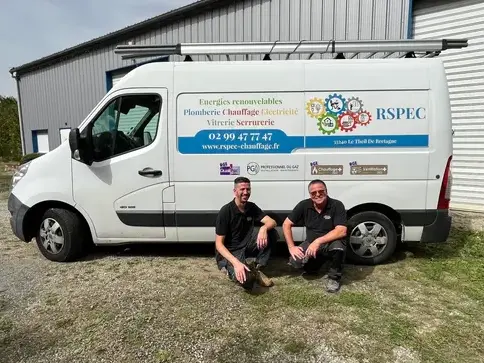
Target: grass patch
<point x="247" y="345"/>
<point x="457" y="265"/>
<point x="462" y="243"/>
<point x="3" y="303"/>
<point x="452" y="343"/>
<point x="5" y="182"/>
<point x="357" y="300"/>
<point x="263" y="343"/>
<point x="302" y="297"/>
<point x="163" y="356"/>
<point x="296" y="347"/>
<point x="6" y="328"/>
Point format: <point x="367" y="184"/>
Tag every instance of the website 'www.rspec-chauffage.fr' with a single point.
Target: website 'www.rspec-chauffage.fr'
<point x="242" y="147"/>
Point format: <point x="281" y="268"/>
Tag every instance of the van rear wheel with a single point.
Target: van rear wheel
<point x="60" y="236"/>
<point x="372" y="238"/>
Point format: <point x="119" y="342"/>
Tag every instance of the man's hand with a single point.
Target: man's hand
<point x="239" y="269"/>
<point x="262" y="238"/>
<point x="313" y="249"/>
<point x="296" y="253"/>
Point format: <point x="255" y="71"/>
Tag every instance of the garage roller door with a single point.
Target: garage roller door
<point x="465" y="73"/>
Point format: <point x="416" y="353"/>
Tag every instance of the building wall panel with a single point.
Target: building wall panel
<point x="465" y="71"/>
<point x="63" y="94"/>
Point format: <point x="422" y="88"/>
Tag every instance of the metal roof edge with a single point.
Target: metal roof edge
<point x="131" y="31"/>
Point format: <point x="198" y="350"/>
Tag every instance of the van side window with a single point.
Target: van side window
<point x="127" y="123"/>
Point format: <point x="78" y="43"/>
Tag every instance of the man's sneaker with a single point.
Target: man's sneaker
<point x="333" y="286"/>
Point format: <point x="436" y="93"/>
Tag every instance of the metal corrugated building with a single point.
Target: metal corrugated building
<point x="58" y="91"/>
<point x="465" y="73"/>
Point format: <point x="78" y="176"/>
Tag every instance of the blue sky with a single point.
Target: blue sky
<point x="31" y="29"/>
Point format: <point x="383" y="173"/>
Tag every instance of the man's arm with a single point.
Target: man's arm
<point x="219" y="245"/>
<point x="222" y="226"/>
<point x="338" y="232"/>
<point x="267" y="224"/>
<point x="293" y="218"/>
<point x="287" y="230"/>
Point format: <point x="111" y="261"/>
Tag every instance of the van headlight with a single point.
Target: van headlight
<point x="20" y="173"/>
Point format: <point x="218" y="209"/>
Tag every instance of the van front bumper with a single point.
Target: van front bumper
<point x="17" y="210"/>
<point x="439" y="229"/>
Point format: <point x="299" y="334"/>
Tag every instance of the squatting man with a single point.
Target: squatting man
<point x="325" y="222"/>
<point x="237" y="239"/>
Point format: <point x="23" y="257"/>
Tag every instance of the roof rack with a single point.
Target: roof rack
<point x="409" y="47"/>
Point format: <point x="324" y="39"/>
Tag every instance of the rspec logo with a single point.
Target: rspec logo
<point x="408" y="113"/>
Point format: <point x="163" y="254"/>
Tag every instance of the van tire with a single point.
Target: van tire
<point x="60" y="225"/>
<point x="370" y="220"/>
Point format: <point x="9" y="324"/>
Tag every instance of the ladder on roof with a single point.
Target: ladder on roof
<point x="409" y="47"/>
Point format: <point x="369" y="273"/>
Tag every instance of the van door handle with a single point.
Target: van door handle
<point x="149" y="172"/>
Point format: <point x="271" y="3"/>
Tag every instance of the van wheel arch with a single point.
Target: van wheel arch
<point x="34" y="216"/>
<point x="380" y="216"/>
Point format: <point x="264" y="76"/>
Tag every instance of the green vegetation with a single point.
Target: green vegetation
<point x="10" y="146"/>
<point x="29" y="157"/>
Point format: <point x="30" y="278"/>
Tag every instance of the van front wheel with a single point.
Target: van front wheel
<point x="60" y="236"/>
<point x="372" y="238"/>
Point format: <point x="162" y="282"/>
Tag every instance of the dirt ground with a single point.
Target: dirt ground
<point x="168" y="303"/>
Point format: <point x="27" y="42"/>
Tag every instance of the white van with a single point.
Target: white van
<point x="156" y="159"/>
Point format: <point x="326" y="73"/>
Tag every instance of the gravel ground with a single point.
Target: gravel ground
<point x="168" y="303"/>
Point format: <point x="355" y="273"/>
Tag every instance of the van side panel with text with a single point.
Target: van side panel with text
<point x="156" y="159"/>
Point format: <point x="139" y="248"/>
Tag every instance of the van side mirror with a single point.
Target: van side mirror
<point x="81" y="149"/>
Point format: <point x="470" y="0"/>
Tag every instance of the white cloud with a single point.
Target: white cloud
<point x="31" y="29"/>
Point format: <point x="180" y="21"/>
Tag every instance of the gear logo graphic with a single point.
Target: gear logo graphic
<point x="363" y="118"/>
<point x="327" y="124"/>
<point x="347" y="122"/>
<point x="355" y="105"/>
<point x="335" y="104"/>
<point x="315" y="107"/>
<point x="338" y="114"/>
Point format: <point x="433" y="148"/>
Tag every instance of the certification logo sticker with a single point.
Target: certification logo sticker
<point x="317" y="169"/>
<point x="369" y="170"/>
<point x="253" y="168"/>
<point x="228" y="169"/>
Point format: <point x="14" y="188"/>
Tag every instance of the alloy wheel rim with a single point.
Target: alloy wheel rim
<point x="52" y="236"/>
<point x="368" y="239"/>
